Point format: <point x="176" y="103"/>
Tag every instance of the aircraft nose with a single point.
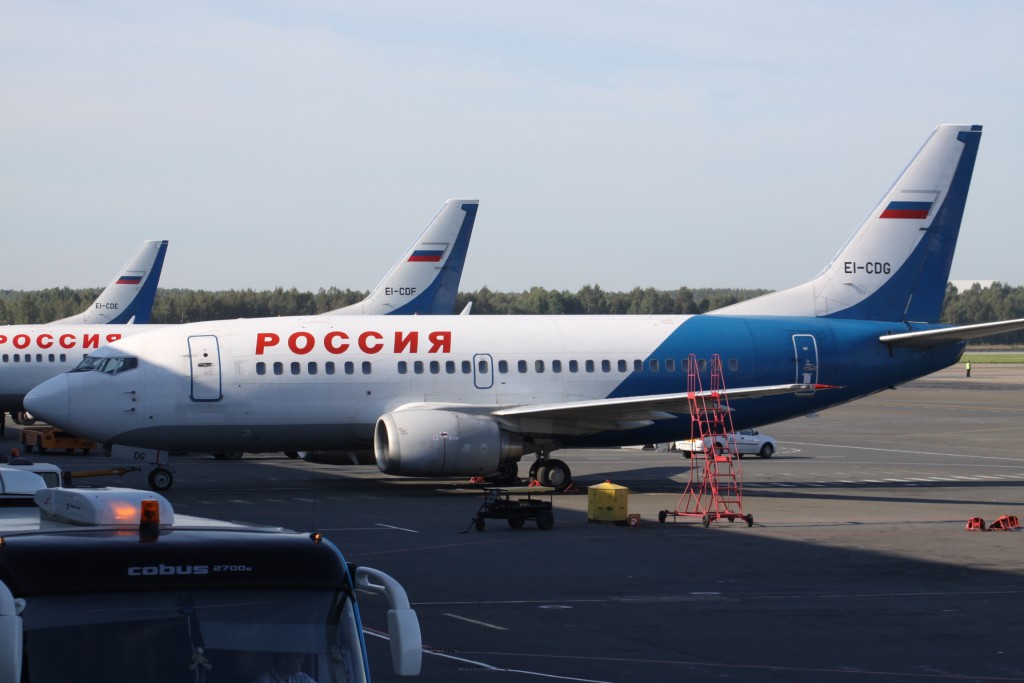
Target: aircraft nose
<point x="50" y="401"/>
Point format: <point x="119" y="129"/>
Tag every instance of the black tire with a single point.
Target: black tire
<point x="534" y="468"/>
<point x="767" y="450"/>
<point x="555" y="473"/>
<point x="479" y="523"/>
<point x="516" y="522"/>
<point x="545" y="520"/>
<point x="228" y="455"/>
<point x="160" y="479"/>
<point x="662" y="516"/>
<point x="25" y="418"/>
<point x="750" y="520"/>
<point x="705" y="520"/>
<point x="506" y="475"/>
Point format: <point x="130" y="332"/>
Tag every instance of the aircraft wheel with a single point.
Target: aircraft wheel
<point x="228" y="455"/>
<point x="160" y="479"/>
<point x="24" y="418"/>
<point x="766" y="451"/>
<point x="507" y="474"/>
<point x="555" y="473"/>
<point x="534" y="469"/>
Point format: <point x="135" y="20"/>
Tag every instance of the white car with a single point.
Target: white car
<point x="745" y="442"/>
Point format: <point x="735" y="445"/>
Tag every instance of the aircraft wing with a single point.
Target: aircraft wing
<point x="928" y="338"/>
<point x="629" y="412"/>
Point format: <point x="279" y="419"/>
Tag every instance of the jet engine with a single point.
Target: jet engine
<point x="440" y="443"/>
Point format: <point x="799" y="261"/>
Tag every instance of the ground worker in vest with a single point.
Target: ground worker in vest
<point x="967" y="365"/>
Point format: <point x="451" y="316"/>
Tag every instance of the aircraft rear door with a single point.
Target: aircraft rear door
<point x="806" y="348"/>
<point x="204" y="357"/>
<point x="483" y="371"/>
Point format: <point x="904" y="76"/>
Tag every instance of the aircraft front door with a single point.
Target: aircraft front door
<point x="483" y="371"/>
<point x="204" y="356"/>
<point x="805" y="347"/>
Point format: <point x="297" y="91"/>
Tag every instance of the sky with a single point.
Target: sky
<point x="648" y="143"/>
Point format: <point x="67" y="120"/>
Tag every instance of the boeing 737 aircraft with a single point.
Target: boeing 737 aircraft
<point x="451" y="396"/>
<point x="129" y="296"/>
<point x="425" y="280"/>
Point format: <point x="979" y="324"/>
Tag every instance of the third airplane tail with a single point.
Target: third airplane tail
<point x="129" y="296"/>
<point x="896" y="266"/>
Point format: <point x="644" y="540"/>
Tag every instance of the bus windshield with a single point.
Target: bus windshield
<point x="174" y="637"/>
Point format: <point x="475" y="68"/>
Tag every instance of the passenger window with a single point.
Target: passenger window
<point x="311" y="368"/>
<point x="435" y="367"/>
<point x="63" y="358"/>
<point x="589" y="365"/>
<point x="329" y="367"/>
<point x="638" y="366"/>
<point x="6" y="358"/>
<point x="622" y="366"/>
<point x="606" y="366"/>
<point x="296" y="367"/>
<point x="403" y="367"/>
<point x="261" y="368"/>
<point x="417" y="367"/>
<point x="653" y="365"/>
<point x="670" y="365"/>
<point x="449" y="367"/>
<point x="521" y="366"/>
<point x="51" y="358"/>
<point x="574" y="366"/>
<point x="503" y="367"/>
<point x="467" y="367"/>
<point x="350" y="368"/>
<point x="556" y="366"/>
<point x="702" y="364"/>
<point x="538" y="366"/>
<point x="367" y="367"/>
<point x="734" y="365"/>
<point x="483" y="367"/>
<point x="278" y="368"/>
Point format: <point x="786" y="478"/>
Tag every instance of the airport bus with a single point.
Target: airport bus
<point x="110" y="585"/>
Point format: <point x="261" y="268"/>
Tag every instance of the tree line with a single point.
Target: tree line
<point x="974" y="305"/>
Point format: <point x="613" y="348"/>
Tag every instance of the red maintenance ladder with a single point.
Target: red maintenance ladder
<point x="715" y="488"/>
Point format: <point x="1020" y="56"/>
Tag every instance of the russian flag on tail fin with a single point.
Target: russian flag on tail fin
<point x="907" y="210"/>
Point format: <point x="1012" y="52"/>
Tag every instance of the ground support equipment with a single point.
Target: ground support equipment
<point x="715" y="487"/>
<point x="526" y="504"/>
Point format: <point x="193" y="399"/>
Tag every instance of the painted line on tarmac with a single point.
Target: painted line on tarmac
<point x="488" y="667"/>
<point x="474" y="621"/>
<point x="897" y="450"/>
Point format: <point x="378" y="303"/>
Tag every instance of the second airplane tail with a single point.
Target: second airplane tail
<point x="896" y="266"/>
<point x="426" y="279"/>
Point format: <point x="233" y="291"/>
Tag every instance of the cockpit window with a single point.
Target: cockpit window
<point x="108" y="364"/>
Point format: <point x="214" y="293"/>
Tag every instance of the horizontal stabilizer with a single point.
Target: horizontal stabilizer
<point x="928" y="338"/>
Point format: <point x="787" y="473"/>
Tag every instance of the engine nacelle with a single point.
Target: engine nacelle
<point x="442" y="443"/>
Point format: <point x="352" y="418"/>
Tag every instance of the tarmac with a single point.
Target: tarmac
<point x="858" y="566"/>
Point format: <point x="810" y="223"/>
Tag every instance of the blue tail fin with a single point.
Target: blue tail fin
<point x="896" y="266"/>
<point x="426" y="279"/>
<point x="129" y="296"/>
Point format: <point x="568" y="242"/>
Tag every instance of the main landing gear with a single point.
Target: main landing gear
<point x="551" y="472"/>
